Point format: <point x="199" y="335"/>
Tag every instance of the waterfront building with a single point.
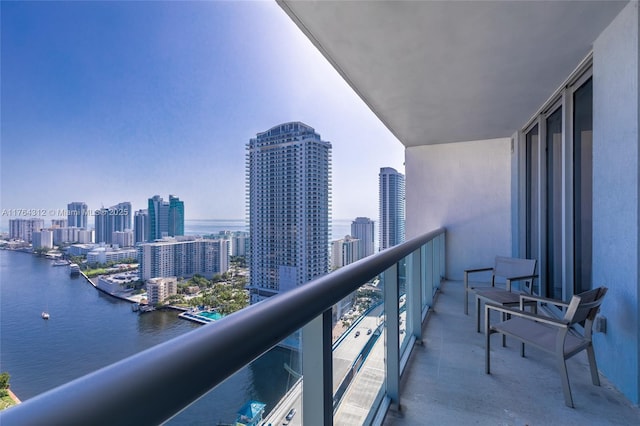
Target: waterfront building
<point x="114" y="284"/>
<point x="104" y="254"/>
<point x="42" y="239"/>
<point x="122" y="238"/>
<point x="183" y="258"/>
<point x="141" y="226"/>
<point x="80" y="249"/>
<point x="362" y="228"/>
<point x="159" y="289"/>
<point x="23" y="229"/>
<point x="344" y="251"/>
<point x="77" y="214"/>
<point x="288" y="181"/>
<point x="166" y="219"/>
<point x="113" y="219"/>
<point x="391" y="199"/>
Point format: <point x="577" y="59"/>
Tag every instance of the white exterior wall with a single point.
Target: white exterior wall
<point x="616" y="188"/>
<point x="465" y="187"/>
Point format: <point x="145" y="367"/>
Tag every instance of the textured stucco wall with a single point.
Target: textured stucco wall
<point x="465" y="187"/>
<point x="616" y="248"/>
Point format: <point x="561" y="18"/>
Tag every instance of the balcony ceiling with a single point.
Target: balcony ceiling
<point x="448" y="71"/>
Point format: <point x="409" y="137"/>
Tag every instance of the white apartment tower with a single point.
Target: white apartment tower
<point x="392" y="201"/>
<point x="362" y="229"/>
<point x="344" y="251"/>
<point x="288" y="181"/>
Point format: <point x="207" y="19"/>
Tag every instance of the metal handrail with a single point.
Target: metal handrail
<point x="156" y="384"/>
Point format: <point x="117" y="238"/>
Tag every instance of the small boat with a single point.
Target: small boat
<point x="45" y="315"/>
<point x="74" y="269"/>
<point x="60" y="263"/>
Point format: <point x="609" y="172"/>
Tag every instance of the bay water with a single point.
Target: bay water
<point x="89" y="330"/>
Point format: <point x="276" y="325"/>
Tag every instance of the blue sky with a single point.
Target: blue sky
<point x="105" y="102"/>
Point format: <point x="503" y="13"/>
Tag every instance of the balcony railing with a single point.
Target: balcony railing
<point x="156" y="384"/>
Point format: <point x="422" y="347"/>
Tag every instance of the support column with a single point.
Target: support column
<point x="317" y="372"/>
<point x="392" y="330"/>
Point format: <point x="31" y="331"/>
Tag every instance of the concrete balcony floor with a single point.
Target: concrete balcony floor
<point x="445" y="383"/>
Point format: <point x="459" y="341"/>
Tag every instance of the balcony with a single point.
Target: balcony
<point x="445" y="382"/>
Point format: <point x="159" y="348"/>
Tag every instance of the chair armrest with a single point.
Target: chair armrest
<point x="520" y="278"/>
<point x="470" y="271"/>
<point x="557" y="322"/>
<point x="528" y="297"/>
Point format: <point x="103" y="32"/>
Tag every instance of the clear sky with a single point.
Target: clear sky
<point x="105" y="102"/>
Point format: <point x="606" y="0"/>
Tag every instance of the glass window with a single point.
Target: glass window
<point x="553" y="264"/>
<point x="582" y="184"/>
<point x="532" y="207"/>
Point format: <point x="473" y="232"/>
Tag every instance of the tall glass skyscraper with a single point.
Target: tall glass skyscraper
<point x="165" y="218"/>
<point x="141" y="226"/>
<point x="288" y="181"/>
<point x="362" y="229"/>
<point x="392" y="199"/>
<point x="77" y="214"/>
<point x="113" y="219"/>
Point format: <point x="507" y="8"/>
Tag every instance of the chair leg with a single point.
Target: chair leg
<point x="487" y="337"/>
<point x="522" y="349"/>
<point x="478" y="314"/>
<point x="466" y="294"/>
<point x="595" y="378"/>
<point x="564" y="378"/>
<point x="504" y="336"/>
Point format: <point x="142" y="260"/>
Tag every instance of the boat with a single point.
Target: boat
<point x="60" y="263"/>
<point x="146" y="308"/>
<point x="45" y="315"/>
<point x="74" y="269"/>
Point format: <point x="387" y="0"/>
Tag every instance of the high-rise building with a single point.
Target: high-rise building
<point x="141" y="226"/>
<point x="122" y="238"/>
<point x="391" y="223"/>
<point x="172" y="258"/>
<point x="42" y="239"/>
<point x="362" y="229"/>
<point x="59" y="223"/>
<point x="166" y="219"/>
<point x="288" y="181"/>
<point x="77" y="214"/>
<point x="23" y="229"/>
<point x="344" y="251"/>
<point x="176" y="216"/>
<point x="113" y="219"/>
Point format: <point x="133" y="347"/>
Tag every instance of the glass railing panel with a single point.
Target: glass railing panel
<point x="358" y="353"/>
<point x="272" y="380"/>
<point x="402" y="303"/>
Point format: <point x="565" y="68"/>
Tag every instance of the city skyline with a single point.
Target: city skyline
<point x="134" y="99"/>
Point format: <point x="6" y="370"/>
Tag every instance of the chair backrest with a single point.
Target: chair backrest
<point x="513" y="267"/>
<point x="506" y="267"/>
<point x="585" y="306"/>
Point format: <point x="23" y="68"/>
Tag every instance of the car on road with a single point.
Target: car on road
<point x="290" y="414"/>
<point x="369" y="331"/>
<point x="357" y="334"/>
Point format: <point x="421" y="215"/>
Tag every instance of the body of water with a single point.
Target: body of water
<point x="339" y="227"/>
<point x="89" y="330"/>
